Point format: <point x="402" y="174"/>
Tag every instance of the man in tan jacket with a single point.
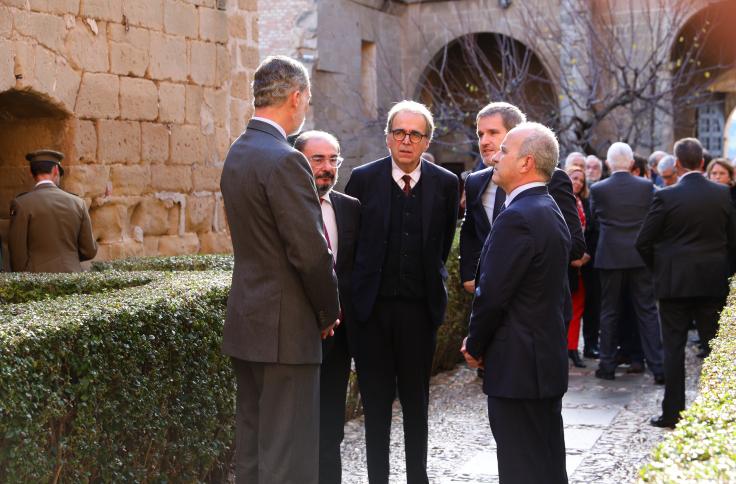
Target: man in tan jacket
<point x="50" y="229"/>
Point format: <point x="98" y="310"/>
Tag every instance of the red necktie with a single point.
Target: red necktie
<point x="407" y="184"/>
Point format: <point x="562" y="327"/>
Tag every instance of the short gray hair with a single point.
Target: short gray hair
<point x="594" y="158"/>
<point x="411" y="107"/>
<point x="667" y="162"/>
<point x="654" y="158"/>
<point x="277" y="77"/>
<point x="301" y="142"/>
<point x="542" y="144"/>
<point x="620" y="156"/>
<point x="510" y="115"/>
<point x="572" y="156"/>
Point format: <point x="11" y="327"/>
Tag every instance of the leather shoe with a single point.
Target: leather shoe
<point x="635" y="367"/>
<point x="591" y="353"/>
<point x="575" y="357"/>
<point x="659" y="379"/>
<point x="661" y="422"/>
<point x="605" y="375"/>
<point x="703" y="353"/>
<point x="480" y="372"/>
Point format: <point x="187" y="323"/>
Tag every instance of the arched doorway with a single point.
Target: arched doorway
<point x="28" y="121"/>
<point x="468" y="73"/>
<point x="704" y="74"/>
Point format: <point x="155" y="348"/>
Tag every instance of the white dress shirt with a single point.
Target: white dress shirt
<point x="397" y="174"/>
<point x="272" y="123"/>
<point x="42" y="182"/>
<point x="328" y="216"/>
<point x="488" y="199"/>
<point x="520" y="189"/>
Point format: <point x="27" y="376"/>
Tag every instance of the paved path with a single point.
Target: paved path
<point x="607" y="433"/>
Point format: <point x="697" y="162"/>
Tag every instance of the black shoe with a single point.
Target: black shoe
<point x="591" y="353"/>
<point x="659" y="379"/>
<point x="703" y="353"/>
<point x="480" y="372"/>
<point x="661" y="422"/>
<point x="575" y="357"/>
<point x="622" y="359"/>
<point x="605" y="375"/>
<point x="635" y="367"/>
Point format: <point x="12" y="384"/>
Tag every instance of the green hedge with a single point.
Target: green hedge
<point x="703" y="446"/>
<point x="120" y="386"/>
<point x="202" y="262"/>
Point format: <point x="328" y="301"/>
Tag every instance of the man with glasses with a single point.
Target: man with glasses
<point x="408" y="217"/>
<point x="341" y="216"/>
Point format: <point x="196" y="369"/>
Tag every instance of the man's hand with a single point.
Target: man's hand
<point x="469" y="286"/>
<point x="582" y="261"/>
<point x="330" y="331"/>
<point x="472" y="362"/>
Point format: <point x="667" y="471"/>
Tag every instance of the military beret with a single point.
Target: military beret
<point x="45" y="159"/>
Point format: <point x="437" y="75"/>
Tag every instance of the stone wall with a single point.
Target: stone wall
<point x="144" y="97"/>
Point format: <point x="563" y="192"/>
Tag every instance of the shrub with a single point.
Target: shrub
<point x="202" y="262"/>
<point x="703" y="446"/>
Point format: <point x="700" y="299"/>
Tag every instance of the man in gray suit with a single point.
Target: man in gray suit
<point x="284" y="293"/>
<point x="619" y="205"/>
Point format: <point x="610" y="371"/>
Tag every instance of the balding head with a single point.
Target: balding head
<point x="529" y="153"/>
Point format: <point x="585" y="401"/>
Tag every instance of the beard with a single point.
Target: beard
<point x="324" y="187"/>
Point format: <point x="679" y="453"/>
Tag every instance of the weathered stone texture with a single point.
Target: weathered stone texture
<point x="85" y="141"/>
<point x="212" y="25"/>
<point x="155" y="142"/>
<point x="202" y="63"/>
<point x="168" y="58"/>
<point x="129" y="50"/>
<point x="138" y="99"/>
<point x="144" y="13"/>
<point x="130" y="179"/>
<point x="188" y="145"/>
<point x="171" y="102"/>
<point x="118" y="141"/>
<point x="181" y="18"/>
<point x="103" y="9"/>
<point x="171" y="178"/>
<point x="98" y="96"/>
<point x="88" y="51"/>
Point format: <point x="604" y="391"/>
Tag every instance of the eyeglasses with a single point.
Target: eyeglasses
<point x="333" y="161"/>
<point x="414" y="136"/>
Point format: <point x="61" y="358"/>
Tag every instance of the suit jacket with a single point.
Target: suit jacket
<point x="619" y="205"/>
<point x="371" y="184"/>
<point x="50" y="231"/>
<point x="476" y="226"/>
<point x="284" y="288"/>
<point x="347" y="215"/>
<point x="517" y="323"/>
<point x="687" y="238"/>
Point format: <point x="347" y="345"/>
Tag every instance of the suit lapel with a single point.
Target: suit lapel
<point x="485" y="181"/>
<point x="498" y="202"/>
<point x="429" y="188"/>
<point x="385" y="197"/>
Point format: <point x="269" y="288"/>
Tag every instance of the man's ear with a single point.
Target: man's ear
<point x="294" y="98"/>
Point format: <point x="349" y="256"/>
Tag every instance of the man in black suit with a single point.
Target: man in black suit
<point x="483" y="198"/>
<point x="686" y="240"/>
<point x="341" y="216"/>
<point x="517" y="326"/>
<point x="618" y="206"/>
<point x="408" y="217"/>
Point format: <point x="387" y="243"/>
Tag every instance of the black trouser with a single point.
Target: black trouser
<point x="629" y="338"/>
<point x="592" y="311"/>
<point x="333" y="385"/>
<point x="530" y="440"/>
<point x="637" y="285"/>
<point x="677" y="315"/>
<point x="395" y="350"/>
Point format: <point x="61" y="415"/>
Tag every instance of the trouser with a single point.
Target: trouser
<point x="677" y="315"/>
<point x="276" y="423"/>
<point x="578" y="306"/>
<point x="395" y="350"/>
<point x="530" y="440"/>
<point x="592" y="312"/>
<point x="637" y="285"/>
<point x="333" y="384"/>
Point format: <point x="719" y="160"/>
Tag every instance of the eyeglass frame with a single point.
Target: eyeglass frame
<point x="333" y="161"/>
<point x="401" y="134"/>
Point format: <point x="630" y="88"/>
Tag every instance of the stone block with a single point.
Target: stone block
<point x="216" y="101"/>
<point x="138" y="99"/>
<point x="202" y="3"/>
<point x="176" y="245"/>
<point x="25" y="62"/>
<point x="222" y="143"/>
<point x="240" y="87"/>
<point x="145" y="13"/>
<point x="200" y="212"/>
<point x="212" y="25"/>
<point x="215" y="243"/>
<point x="237" y="116"/>
<point x="202" y="63"/>
<point x="236" y="26"/>
<point x="254" y="36"/>
<point x="206" y="178"/>
<point x="118" y="141"/>
<point x="194" y="99"/>
<point x="168" y="58"/>
<point x="155" y="142"/>
<point x="88" y="51"/>
<point x="98" y="96"/>
<point x="181" y="18"/>
<point x="66" y="87"/>
<point x="86" y="180"/>
<point x="188" y="145"/>
<point x="103" y="9"/>
<point x="48" y="30"/>
<point x="44" y="71"/>
<point x="249" y="57"/>
<point x="172" y="101"/>
<point x="222" y="72"/>
<point x="155" y="217"/>
<point x="7" y="65"/>
<point x="130" y="179"/>
<point x="85" y="141"/>
<point x="6" y="22"/>
<point x="249" y="5"/>
<point x="109" y="222"/>
<point x="171" y="178"/>
<point x="129" y="53"/>
<point x="55" y="6"/>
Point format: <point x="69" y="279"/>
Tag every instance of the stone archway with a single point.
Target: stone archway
<point x="28" y="121"/>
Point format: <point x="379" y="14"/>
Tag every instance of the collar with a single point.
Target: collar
<point x="690" y="173"/>
<point x="44" y="182"/>
<point x="516" y="191"/>
<point x="326" y="197"/>
<point x="272" y="123"/>
<point x="397" y="173"/>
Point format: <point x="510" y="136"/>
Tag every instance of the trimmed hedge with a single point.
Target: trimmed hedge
<point x="202" y="262"/>
<point x="128" y="385"/>
<point x="703" y="446"/>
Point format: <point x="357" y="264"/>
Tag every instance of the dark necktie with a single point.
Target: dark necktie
<point x="407" y="184"/>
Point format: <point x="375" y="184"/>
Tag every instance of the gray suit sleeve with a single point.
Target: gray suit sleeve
<point x="86" y="240"/>
<point x="294" y="203"/>
<point x="18" y="237"/>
